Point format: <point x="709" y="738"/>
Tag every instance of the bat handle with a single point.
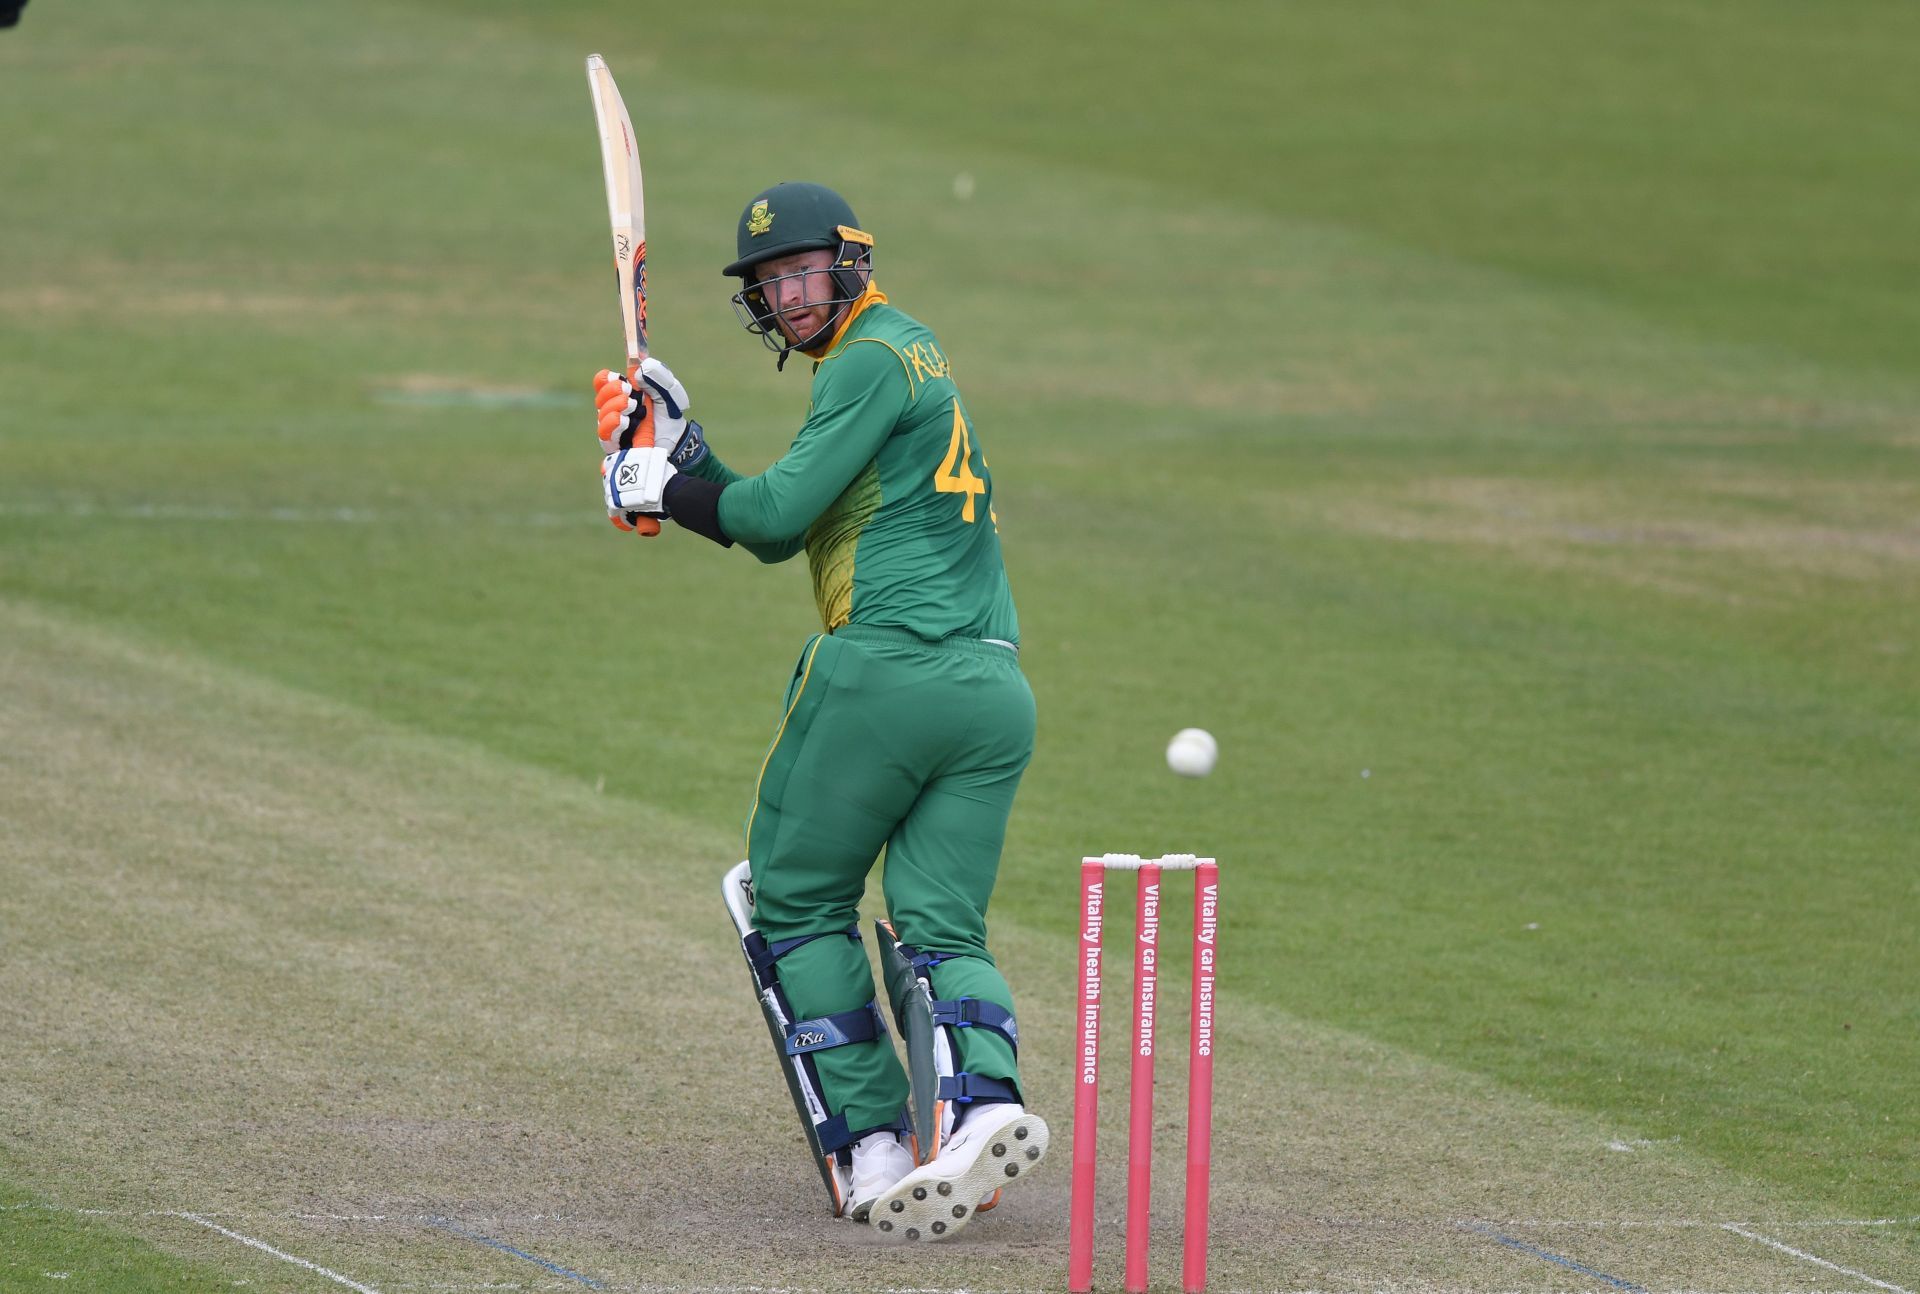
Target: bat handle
<point x="642" y="439"/>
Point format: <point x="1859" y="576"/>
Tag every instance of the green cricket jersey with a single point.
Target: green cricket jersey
<point x="885" y="486"/>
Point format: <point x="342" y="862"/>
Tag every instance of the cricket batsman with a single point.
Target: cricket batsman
<point x="906" y="726"/>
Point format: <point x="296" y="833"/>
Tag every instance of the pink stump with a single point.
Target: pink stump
<point x="1146" y="994"/>
<point x="1206" y="931"/>
<point x="1086" y="1090"/>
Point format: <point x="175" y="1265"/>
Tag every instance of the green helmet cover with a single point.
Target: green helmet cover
<point x="793" y="216"/>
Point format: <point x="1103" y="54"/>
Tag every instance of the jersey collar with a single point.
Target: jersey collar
<point x="873" y="296"/>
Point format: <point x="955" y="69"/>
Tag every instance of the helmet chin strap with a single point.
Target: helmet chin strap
<point x="824" y="330"/>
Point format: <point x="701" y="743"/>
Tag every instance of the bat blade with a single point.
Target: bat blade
<point x="626" y="203"/>
<point x="627" y="214"/>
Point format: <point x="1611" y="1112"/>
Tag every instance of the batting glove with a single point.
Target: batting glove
<point x="653" y="398"/>
<point x="634" y="481"/>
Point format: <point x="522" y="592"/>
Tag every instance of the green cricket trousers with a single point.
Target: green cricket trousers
<point x="889" y="741"/>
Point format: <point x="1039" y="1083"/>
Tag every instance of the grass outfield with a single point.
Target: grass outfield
<point x="1502" y="437"/>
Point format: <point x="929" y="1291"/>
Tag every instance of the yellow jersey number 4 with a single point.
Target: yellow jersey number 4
<point x="955" y="475"/>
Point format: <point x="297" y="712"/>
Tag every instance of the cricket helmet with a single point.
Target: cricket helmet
<point x="795" y="216"/>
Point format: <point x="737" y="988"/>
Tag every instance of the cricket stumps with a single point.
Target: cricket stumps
<point x="1094" y="872"/>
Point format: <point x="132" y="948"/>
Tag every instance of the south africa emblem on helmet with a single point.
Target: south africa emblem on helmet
<point x="759" y="220"/>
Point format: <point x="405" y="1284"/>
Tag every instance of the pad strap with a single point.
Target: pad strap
<point x="834" y="1135"/>
<point x="967" y="1012"/>
<point x="763" y="954"/>
<point x="862" y="1024"/>
<point x="902" y="1124"/>
<point x="924" y="961"/>
<point x="977" y="1087"/>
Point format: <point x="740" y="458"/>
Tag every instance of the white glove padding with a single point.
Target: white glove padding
<point x="623" y="405"/>
<point x="635" y="481"/>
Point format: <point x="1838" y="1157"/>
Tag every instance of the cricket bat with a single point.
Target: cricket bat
<point x="627" y="210"/>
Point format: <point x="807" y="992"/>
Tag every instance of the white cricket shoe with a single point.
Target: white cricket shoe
<point x="879" y="1162"/>
<point x="994" y="1146"/>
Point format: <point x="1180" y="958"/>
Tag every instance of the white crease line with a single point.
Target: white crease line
<point x="264" y="1247"/>
<point x="1798" y="1224"/>
<point x="649" y="1287"/>
<point x="486" y="1285"/>
<point x="1627" y="1146"/>
<point x="655" y="1288"/>
<point x="1739" y="1230"/>
<point x="399" y="1219"/>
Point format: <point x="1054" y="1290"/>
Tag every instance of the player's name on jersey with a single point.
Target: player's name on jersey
<point x="927" y="360"/>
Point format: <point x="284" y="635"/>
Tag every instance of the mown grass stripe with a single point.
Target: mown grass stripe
<point x="88" y="510"/>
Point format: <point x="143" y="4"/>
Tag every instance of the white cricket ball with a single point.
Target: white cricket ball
<point x="1192" y="752"/>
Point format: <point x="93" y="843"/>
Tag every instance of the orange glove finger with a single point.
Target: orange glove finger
<point x="625" y="412"/>
<point x="622" y="427"/>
